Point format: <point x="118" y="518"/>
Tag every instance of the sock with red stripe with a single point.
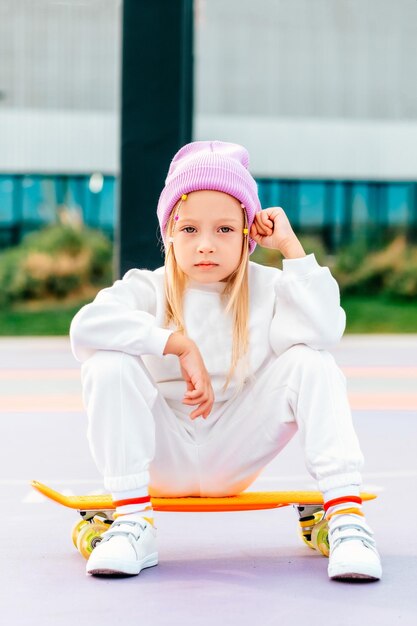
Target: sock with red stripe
<point x="345" y="500"/>
<point x="133" y="502"/>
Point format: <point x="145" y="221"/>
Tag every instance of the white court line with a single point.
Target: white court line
<point x="33" y="497"/>
<point x="9" y="482"/>
<point x="294" y="478"/>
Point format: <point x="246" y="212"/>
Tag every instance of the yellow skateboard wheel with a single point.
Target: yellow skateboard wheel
<point x="76" y="530"/>
<point x="320" y="537"/>
<point x="89" y="536"/>
<point x="306" y="540"/>
<point x="307" y="525"/>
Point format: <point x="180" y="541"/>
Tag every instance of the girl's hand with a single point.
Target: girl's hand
<point x="199" y="390"/>
<point x="272" y="229"/>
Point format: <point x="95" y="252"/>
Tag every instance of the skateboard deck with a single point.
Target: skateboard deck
<point x="247" y="501"/>
<point x="97" y="512"/>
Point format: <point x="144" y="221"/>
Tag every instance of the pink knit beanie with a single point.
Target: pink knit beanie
<point x="211" y="165"/>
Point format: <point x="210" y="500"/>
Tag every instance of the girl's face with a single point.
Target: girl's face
<point x="208" y="236"/>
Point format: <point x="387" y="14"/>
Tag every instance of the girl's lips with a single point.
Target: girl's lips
<point x="206" y="265"/>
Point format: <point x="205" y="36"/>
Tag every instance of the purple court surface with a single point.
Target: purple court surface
<point x="238" y="569"/>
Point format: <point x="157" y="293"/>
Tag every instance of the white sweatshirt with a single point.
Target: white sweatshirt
<point x="298" y="304"/>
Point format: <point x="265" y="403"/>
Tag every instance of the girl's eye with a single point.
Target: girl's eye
<point x="191" y="229"/>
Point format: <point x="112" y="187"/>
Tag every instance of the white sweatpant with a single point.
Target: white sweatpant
<point x="138" y="438"/>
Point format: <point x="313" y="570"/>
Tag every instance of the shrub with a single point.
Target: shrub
<point x="55" y="262"/>
<point x="53" y="239"/>
<point x="391" y="271"/>
<point x="273" y="258"/>
<point x="314" y="244"/>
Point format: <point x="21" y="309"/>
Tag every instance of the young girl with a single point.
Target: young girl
<point x="197" y="374"/>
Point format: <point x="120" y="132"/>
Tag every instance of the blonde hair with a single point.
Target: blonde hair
<point x="236" y="293"/>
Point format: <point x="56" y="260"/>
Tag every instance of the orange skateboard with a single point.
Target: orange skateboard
<point x="97" y="511"/>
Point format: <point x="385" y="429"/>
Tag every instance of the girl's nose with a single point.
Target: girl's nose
<point x="205" y="246"/>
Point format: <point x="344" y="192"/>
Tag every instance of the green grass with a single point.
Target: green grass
<point x="379" y="314"/>
<point x="51" y="320"/>
<point x="365" y="314"/>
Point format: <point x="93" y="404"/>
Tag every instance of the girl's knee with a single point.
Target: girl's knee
<point x="112" y="372"/>
<point x="105" y="364"/>
<point x="304" y="356"/>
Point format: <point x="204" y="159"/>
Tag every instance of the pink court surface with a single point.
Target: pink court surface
<point x="236" y="568"/>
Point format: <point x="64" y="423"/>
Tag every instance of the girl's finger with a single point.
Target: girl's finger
<point x="192" y="401"/>
<point x="254" y="233"/>
<point x="199" y="390"/>
<point x="273" y="212"/>
<point x="266" y="219"/>
<point x="193" y="392"/>
<point x="198" y="399"/>
<point x="202" y="410"/>
<point x="261" y="230"/>
<point x="264" y="233"/>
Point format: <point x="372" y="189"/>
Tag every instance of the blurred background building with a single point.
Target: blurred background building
<point x="322" y="93"/>
<point x="60" y="65"/>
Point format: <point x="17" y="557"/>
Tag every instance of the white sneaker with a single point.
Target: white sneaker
<point x="353" y="554"/>
<point x="126" y="548"/>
